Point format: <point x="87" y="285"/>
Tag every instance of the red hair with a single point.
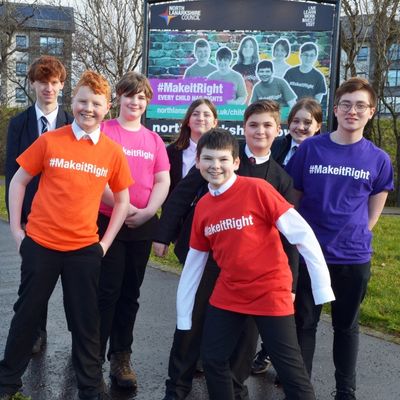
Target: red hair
<point x="45" y="68"/>
<point x="96" y="82"/>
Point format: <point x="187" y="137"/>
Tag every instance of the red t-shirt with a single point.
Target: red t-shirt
<point x="239" y="227"/>
<point x="73" y="177"/>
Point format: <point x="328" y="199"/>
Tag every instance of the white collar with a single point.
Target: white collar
<point x="224" y="187"/>
<point x="80" y="133"/>
<point x="259" y="160"/>
<point x="293" y="144"/>
<point x="192" y="146"/>
<point x="51" y="117"/>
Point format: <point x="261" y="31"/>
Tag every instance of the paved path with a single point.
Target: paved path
<point x="50" y="376"/>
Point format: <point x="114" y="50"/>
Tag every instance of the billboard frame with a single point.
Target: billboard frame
<point x="334" y="74"/>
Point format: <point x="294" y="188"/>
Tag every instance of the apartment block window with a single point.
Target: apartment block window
<point x="394" y="103"/>
<point x="51" y="45"/>
<point x="393" y="77"/>
<point x="20" y="68"/>
<point x="21" y="41"/>
<point x="20" y="95"/>
<point x="394" y="52"/>
<point x="363" y="54"/>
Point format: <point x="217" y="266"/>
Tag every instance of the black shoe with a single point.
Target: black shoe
<point x="40" y="342"/>
<point x="345" y="395"/>
<point x="261" y="363"/>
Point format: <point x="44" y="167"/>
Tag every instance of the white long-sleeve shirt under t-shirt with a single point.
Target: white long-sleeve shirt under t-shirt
<point x="294" y="228"/>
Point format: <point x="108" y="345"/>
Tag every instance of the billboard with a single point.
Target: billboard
<point x="235" y="52"/>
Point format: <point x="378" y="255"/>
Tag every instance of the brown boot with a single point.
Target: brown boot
<point x="121" y="372"/>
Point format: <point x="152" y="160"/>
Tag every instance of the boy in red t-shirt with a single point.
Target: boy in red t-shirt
<point x="242" y="231"/>
<point x="76" y="162"/>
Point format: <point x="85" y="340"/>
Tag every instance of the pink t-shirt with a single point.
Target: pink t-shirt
<point x="146" y="155"/>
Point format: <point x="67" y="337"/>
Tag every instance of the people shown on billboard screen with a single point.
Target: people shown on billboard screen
<point x="280" y="52"/>
<point x="202" y="67"/>
<point x="305" y="79"/>
<point x="272" y="88"/>
<point x="247" y="59"/>
<point x="225" y="73"/>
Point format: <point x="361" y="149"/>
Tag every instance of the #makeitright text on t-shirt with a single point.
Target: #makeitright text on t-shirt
<point x="336" y="181"/>
<point x="239" y="227"/>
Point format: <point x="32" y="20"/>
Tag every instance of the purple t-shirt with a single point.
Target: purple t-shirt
<point x="336" y="181"/>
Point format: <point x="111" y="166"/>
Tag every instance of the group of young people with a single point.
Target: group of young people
<point x="231" y="216"/>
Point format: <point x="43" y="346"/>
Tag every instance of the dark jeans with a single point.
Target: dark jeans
<point x="122" y="274"/>
<point x="40" y="269"/>
<point x="186" y="345"/>
<point x="349" y="283"/>
<point x="222" y="330"/>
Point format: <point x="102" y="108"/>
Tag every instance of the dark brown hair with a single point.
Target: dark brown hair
<point x="218" y="139"/>
<point x="309" y="104"/>
<point x="354" y="84"/>
<point x="263" y="106"/>
<point x="182" y="142"/>
<point x="132" y="83"/>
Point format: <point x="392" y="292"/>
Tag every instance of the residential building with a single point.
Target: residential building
<point x="33" y="30"/>
<point x="365" y="62"/>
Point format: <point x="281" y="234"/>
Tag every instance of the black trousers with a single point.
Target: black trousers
<point x="40" y="269"/>
<point x="349" y="283"/>
<point x="186" y="345"/>
<point x="222" y="330"/>
<point x="43" y="319"/>
<point x="122" y="273"/>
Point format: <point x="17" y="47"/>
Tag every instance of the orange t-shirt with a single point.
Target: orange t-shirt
<point x="73" y="177"/>
<point x="239" y="227"/>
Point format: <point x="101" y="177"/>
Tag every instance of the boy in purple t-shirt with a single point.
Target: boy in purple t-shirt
<point x="342" y="180"/>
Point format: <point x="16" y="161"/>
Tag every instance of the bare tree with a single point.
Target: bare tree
<point x="386" y="33"/>
<point x="108" y="37"/>
<point x="376" y="22"/>
<point x="12" y="20"/>
<point x="355" y="29"/>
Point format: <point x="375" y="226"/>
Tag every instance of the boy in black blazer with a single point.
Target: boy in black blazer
<point x="261" y="127"/>
<point x="46" y="76"/>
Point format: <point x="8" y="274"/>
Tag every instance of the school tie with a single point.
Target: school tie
<point x="45" y="126"/>
<point x="294" y="148"/>
<point x="252" y="160"/>
<point x="216" y="193"/>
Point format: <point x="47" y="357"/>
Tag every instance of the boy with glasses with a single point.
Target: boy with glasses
<point x="342" y="182"/>
<point x="305" y="79"/>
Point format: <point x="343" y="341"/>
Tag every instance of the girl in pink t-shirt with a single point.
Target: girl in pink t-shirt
<point x="124" y="265"/>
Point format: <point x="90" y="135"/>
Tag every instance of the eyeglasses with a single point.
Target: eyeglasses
<point x="359" y="107"/>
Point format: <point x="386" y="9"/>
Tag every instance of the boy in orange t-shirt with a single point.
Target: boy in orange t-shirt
<point x="255" y="280"/>
<point x="76" y="162"/>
